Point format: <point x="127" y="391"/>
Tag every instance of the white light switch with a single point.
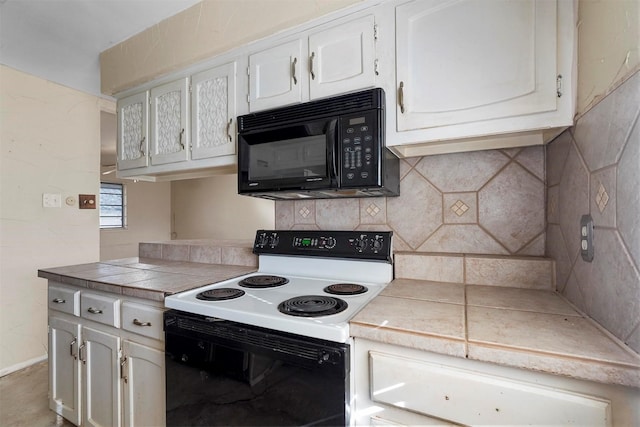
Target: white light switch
<point x="51" y="200"/>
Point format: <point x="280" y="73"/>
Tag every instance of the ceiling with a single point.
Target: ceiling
<point x="61" y="40"/>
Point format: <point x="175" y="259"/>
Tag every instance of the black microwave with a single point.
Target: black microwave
<point x="328" y="148"/>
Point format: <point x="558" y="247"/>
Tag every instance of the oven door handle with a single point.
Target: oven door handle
<point x="333" y="146"/>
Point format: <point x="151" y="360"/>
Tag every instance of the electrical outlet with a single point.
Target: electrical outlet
<point x="51" y="200"/>
<point x="586" y="238"/>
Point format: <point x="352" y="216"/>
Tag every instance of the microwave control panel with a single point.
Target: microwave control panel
<point x="359" y="159"/>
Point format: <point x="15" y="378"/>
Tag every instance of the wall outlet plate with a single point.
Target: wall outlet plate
<point x="586" y="238"/>
<point x="87" y="201"/>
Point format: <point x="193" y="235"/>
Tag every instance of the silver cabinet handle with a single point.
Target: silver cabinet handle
<point x="139" y="323"/>
<point x="228" y="129"/>
<point x="94" y="310"/>
<point x="123" y="369"/>
<point x="180" y="140"/>
<point x="142" y="145"/>
<point x="293" y="71"/>
<point x="59" y="300"/>
<point x="80" y="352"/>
<point x="71" y="348"/>
<point x="401" y="97"/>
<point x="313" y="75"/>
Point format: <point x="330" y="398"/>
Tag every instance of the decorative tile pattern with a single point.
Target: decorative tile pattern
<point x="459" y="208"/>
<point x="596" y="172"/>
<point x="602" y="197"/>
<point x="304" y="212"/>
<point x="509" y="207"/>
<point x="372" y="210"/>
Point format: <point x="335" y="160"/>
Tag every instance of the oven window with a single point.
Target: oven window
<point x="292" y="158"/>
<point x="214" y="384"/>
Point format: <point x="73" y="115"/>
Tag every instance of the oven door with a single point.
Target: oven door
<point x="222" y="373"/>
<point x="296" y="157"/>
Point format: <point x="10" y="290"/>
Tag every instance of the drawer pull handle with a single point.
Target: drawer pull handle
<point x="228" y="129"/>
<point x="59" y="301"/>
<point x="401" y="97"/>
<point x="94" y="310"/>
<point x="139" y="323"/>
<point x="293" y="71"/>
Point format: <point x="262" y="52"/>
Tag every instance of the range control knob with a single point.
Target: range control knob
<point x="377" y="243"/>
<point x="274" y="240"/>
<point x="330" y="243"/>
<point x="262" y="240"/>
<point x="361" y="243"/>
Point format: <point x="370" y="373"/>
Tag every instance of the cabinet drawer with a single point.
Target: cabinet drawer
<point x="66" y="300"/>
<point x="142" y="319"/>
<point x="470" y="397"/>
<point x="100" y="308"/>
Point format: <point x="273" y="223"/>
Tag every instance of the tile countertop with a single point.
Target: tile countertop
<point x="148" y="278"/>
<point x="496" y="310"/>
<point x="534" y="329"/>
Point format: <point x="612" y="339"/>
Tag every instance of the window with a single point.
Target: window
<point x="112" y="205"/>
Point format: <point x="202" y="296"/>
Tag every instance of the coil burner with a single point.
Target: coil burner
<point x="312" y="306"/>
<point x="220" y="294"/>
<point x="345" y="289"/>
<point x="263" y="281"/>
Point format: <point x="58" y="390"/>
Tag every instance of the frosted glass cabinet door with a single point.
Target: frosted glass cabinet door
<point x="101" y="371"/>
<point x="64" y="369"/>
<point x="133" y="125"/>
<point x="213" y="106"/>
<point x="467" y="61"/>
<point x="275" y="76"/>
<point x="169" y="122"/>
<point x="342" y="58"/>
<point x="144" y="393"/>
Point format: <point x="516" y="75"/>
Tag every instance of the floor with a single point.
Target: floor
<point x="24" y="401"/>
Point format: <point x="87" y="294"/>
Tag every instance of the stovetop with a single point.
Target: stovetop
<point x="309" y="271"/>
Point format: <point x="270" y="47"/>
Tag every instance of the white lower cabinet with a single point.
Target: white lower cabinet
<point x="101" y="374"/>
<point x="64" y="368"/>
<point x="402" y="386"/>
<point x="101" y="391"/>
<point x="144" y="378"/>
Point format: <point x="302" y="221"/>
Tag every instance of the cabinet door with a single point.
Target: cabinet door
<point x="144" y="393"/>
<point x="466" y="61"/>
<point x="101" y="384"/>
<point x="133" y="125"/>
<point x="169" y="122"/>
<point x="275" y="76"/>
<point x="64" y="369"/>
<point x="342" y="58"/>
<point x="213" y="108"/>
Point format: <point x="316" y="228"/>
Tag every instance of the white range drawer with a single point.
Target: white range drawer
<point x="66" y="300"/>
<point x="100" y="308"/>
<point x="469" y="397"/>
<point x="143" y="319"/>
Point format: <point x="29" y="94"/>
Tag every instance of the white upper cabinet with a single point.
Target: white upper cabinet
<point x="332" y="61"/>
<point x="133" y="126"/>
<point x="274" y="76"/>
<point x="465" y="61"/>
<point x="467" y="70"/>
<point x="213" y="110"/>
<point x="342" y="58"/>
<point x="170" y="122"/>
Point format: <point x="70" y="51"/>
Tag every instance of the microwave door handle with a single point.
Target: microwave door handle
<point x="332" y="143"/>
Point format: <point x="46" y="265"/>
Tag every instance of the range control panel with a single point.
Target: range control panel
<point x="369" y="245"/>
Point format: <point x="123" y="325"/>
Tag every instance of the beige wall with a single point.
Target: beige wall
<point x="200" y="32"/>
<point x="211" y="208"/>
<point x="148" y="213"/>
<point x="50" y="139"/>
<point x="608" y="47"/>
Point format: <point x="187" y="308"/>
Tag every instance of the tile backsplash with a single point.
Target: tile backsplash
<point x="594" y="168"/>
<point x="484" y="202"/>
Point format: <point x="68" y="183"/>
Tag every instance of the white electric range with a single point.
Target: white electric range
<point x="273" y="347"/>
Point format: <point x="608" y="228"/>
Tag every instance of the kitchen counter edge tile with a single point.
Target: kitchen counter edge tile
<point x="544" y="334"/>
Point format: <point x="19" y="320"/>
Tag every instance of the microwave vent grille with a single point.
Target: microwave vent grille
<point x="344" y="104"/>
